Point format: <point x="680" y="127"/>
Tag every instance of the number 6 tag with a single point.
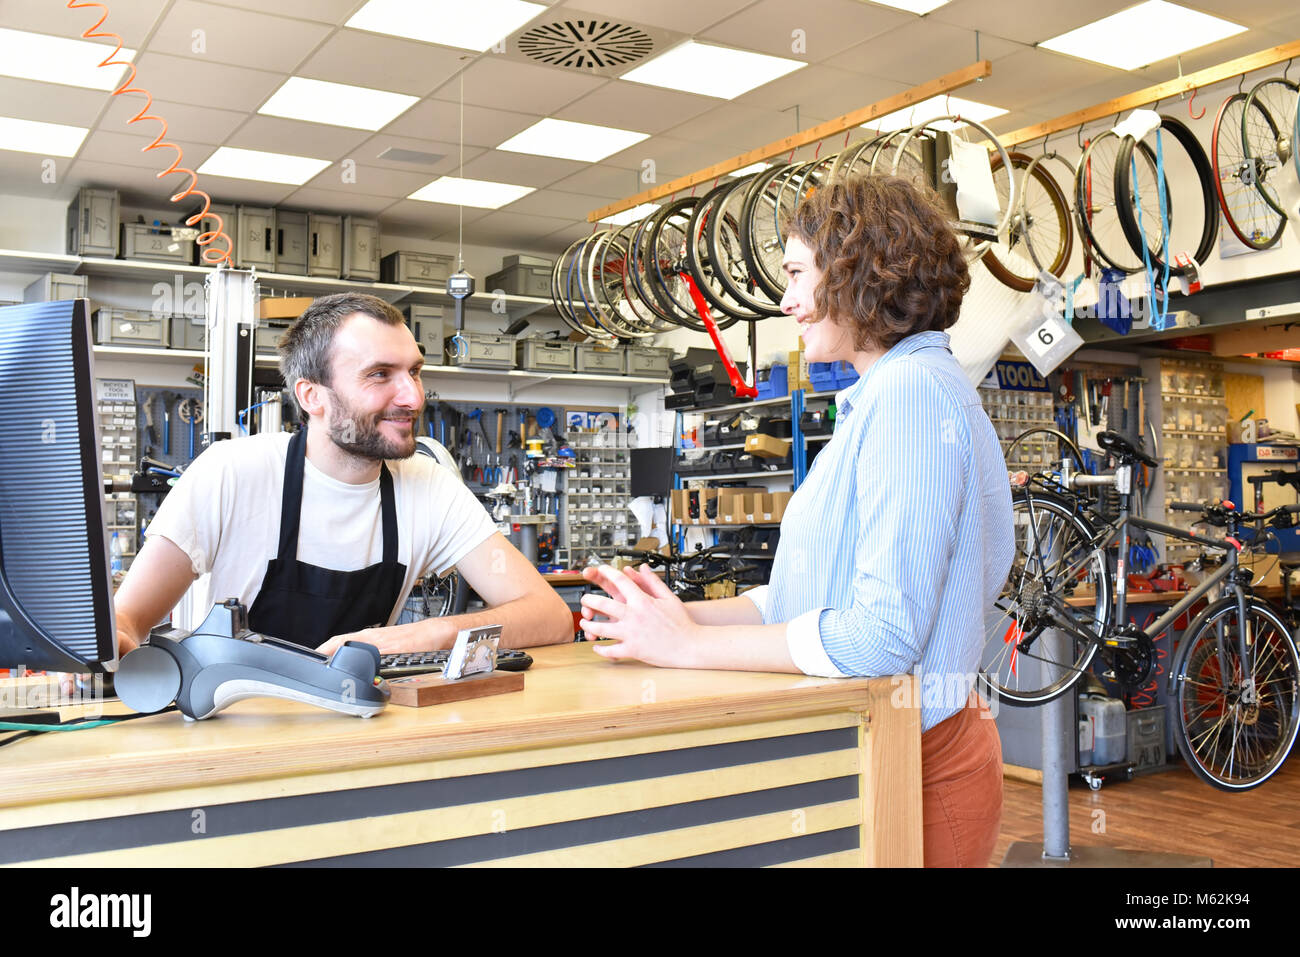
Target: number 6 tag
<point x="1044" y="337"/>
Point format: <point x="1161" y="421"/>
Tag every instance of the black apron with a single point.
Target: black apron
<point x="309" y="605"/>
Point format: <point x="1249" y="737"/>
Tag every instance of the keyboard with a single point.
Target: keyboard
<point x="401" y="664"/>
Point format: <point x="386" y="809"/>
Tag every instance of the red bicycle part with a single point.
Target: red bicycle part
<point x="738" y="386"/>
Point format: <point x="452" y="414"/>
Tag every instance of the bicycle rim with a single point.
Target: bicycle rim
<point x="1253" y="221"/>
<point x="762" y="232"/>
<point x="704" y="267"/>
<point x="1227" y="740"/>
<point x="1041" y="212"/>
<point x="1053" y="560"/>
<point x="1095" y="206"/>
<point x="1269" y="146"/>
<point x="724" y="245"/>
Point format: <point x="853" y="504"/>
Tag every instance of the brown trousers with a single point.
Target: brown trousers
<point x="961" y="788"/>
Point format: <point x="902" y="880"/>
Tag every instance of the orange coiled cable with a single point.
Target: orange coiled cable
<point x="212" y="255"/>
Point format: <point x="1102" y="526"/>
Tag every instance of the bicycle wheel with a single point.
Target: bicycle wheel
<point x="632" y="303"/>
<point x="1269" y="146"/>
<point x="1187" y="233"/>
<point x="705" y="269"/>
<point x="1054" y="559"/>
<point x="1041" y="212"/>
<point x="1251" y="219"/>
<point x="762" y="231"/>
<point x="723" y="244"/>
<point x="1233" y="739"/>
<point x="1097" y="211"/>
<point x="1065" y="447"/>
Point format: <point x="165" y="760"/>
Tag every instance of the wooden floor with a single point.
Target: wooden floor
<point x="1173" y="812"/>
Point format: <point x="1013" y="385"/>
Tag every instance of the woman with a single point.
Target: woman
<point x="901" y="534"/>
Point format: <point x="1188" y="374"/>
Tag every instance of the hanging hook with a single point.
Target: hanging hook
<point x="1078" y="137"/>
<point x="1241" y="81"/>
<point x="1195" y="116"/>
<point x="1045" y="144"/>
<point x="1285" y="72"/>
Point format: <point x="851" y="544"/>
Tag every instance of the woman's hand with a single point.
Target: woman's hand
<point x="647" y="620"/>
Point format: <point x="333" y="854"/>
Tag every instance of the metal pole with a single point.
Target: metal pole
<point x="1058" y="752"/>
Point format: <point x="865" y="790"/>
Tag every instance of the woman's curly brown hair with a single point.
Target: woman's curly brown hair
<point x="891" y="265"/>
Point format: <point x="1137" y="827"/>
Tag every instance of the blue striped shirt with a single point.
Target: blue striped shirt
<point x="901" y="535"/>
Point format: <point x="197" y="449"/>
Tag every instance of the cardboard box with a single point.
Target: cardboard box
<point x="282" y="307"/>
<point x="797" y="371"/>
<point x="767" y="446"/>
<point x="679" y="505"/>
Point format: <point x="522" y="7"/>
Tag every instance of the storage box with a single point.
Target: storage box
<point x="93" y="219"/>
<point x="256" y="238"/>
<point x="405" y="266"/>
<point x="521" y="280"/>
<point x="731" y="504"/>
<point x="290" y="242"/>
<point x="483" y="350"/>
<point x="360" y="248"/>
<point x="425" y="323"/>
<point x="54" y="286"/>
<point x="822" y="376"/>
<point x="282" y="307"/>
<point x="773" y="382"/>
<point x="1106" y="724"/>
<point x="797" y="371"/>
<point x="266" y="337"/>
<point x="156" y="244"/>
<point x="117" y="327"/>
<point x="188" y="333"/>
<point x="649" y="362"/>
<point x="767" y="446"/>
<point x="539" y="355"/>
<point x="523" y="259"/>
<point x="1145" y="728"/>
<point x="208" y="224"/>
<point x="591" y="358"/>
<point x="324" y="245"/>
<point x="845" y="375"/>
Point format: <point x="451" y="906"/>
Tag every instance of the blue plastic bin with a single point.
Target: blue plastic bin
<point x="845" y="375"/>
<point x="775" y="385"/>
<point x="822" y="376"/>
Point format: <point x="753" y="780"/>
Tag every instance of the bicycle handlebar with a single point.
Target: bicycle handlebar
<point x="1219" y="513"/>
<point x="1082" y="480"/>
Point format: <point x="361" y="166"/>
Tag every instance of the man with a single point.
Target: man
<point x="322" y="535"/>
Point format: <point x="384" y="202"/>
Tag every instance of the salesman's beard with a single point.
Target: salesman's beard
<point x="359" y="434"/>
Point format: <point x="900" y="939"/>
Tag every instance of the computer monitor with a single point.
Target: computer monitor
<point x="56" y="608"/>
<point x="652" y="471"/>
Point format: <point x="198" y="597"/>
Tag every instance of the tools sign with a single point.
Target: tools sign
<point x="1019" y="376"/>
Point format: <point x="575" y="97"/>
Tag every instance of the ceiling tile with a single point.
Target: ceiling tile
<point x="647" y="109"/>
<point x="671" y="157"/>
<point x="51" y="103"/>
<point x="369" y="153"/>
<point x="1243" y="44"/>
<point x="921" y="50"/>
<point x="372" y="180"/>
<point x="227" y="189"/>
<point x="602" y="183"/>
<point x="215" y="34"/>
<point x="521" y="169"/>
<point x="138" y="184"/>
<point x="186" y="124"/>
<point x="196" y="81"/>
<point x="1031" y="76"/>
<point x="276" y="135"/>
<point x="1249" y="13"/>
<point x="131" y="21"/>
<point x="1023" y="22"/>
<point x="682" y="16"/>
<point x="323" y="11"/>
<point x="827" y="27"/>
<point x="105" y="146"/>
<point x="553" y="202"/>
<point x="381" y="62"/>
<point x="25" y="174"/>
<point x="331" y="201"/>
<point x="741" y="128"/>
<point x="502" y="84"/>
<point x="510" y="229"/>
<point x="824" y="90"/>
<point x="437" y="118"/>
<point x="431" y="219"/>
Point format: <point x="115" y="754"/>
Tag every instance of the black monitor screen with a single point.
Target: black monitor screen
<point x="55" y="593"/>
<point x="652" y="471"/>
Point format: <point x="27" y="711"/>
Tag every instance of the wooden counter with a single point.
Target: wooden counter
<point x="593" y="763"/>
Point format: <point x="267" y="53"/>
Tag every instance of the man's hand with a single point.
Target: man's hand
<point x="427" y="635"/>
<point x="647" y="620"/>
<point x="126" y="642"/>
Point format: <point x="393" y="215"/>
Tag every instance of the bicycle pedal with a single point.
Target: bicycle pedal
<point x="1120" y="641"/>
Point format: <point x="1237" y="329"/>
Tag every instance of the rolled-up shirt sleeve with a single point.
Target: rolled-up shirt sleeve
<point x="909" y="476"/>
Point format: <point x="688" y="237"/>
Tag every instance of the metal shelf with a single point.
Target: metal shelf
<point x="818" y="438"/>
<point x="734" y="407"/>
<point x="734" y="475"/>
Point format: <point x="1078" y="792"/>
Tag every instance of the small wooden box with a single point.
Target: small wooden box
<point x="421" y="690"/>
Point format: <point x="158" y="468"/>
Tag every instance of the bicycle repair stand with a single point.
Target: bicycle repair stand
<point x="1059" y="730"/>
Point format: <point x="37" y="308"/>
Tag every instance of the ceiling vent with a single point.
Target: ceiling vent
<point x="586" y="43"/>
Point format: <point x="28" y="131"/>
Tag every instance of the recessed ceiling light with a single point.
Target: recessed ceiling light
<point x="35" y="56"/>
<point x="32" y="136"/>
<point x="474" y="25"/>
<point x="935" y="106"/>
<point x="911" y="6"/>
<point x="753" y="168"/>
<point x="480" y="193"/>
<point x="565" y="139"/>
<point x="263" y="167"/>
<point x="712" y="70"/>
<point x="630" y="215"/>
<point x="336" y="104"/>
<point x="1142" y="35"/>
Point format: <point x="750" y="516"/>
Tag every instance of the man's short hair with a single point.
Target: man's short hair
<point x="306" y="349"/>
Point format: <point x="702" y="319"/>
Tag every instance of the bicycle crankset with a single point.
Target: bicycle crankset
<point x="1134" y="662"/>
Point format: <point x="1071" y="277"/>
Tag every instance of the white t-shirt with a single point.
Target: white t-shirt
<point x="224" y="513"/>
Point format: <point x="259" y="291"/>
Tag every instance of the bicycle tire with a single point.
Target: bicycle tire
<point x="725" y="248"/>
<point x="1276" y="96"/>
<point x="1025" y="220"/>
<point x="1063" y="440"/>
<point x="1209" y="201"/>
<point x="606" y="280"/>
<point x="1262" y="733"/>
<point x="1251" y="219"/>
<point x="762" y="232"/>
<point x="1095" y="208"/>
<point x="705" y="269"/>
<point x="1034" y="600"/>
<point x="667" y="263"/>
<point x="646" y="316"/>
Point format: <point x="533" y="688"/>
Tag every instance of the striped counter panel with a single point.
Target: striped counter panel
<point x="773" y="793"/>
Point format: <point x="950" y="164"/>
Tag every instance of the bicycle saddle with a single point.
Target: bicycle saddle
<point x="1119" y="446"/>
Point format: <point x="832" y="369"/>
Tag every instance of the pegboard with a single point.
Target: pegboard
<point x="1245" y="396"/>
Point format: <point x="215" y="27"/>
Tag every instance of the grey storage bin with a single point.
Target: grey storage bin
<point x="1146" y="739"/>
<point x="522" y="259"/>
<point x="324" y="245"/>
<point x="155" y="243"/>
<point x="290" y="242"/>
<point x="600" y="360"/>
<point x="542" y="355"/>
<point x="118" y="327"/>
<point x="360" y="248"/>
<point x="521" y="280"/>
<point x="405" y="266"/>
<point x="425" y="323"/>
<point x="189" y="333"/>
<point x="256" y="238"/>
<point x="484" y="350"/>
<point x="266" y="337"/>
<point x="649" y="362"/>
<point x="229" y="225"/>
<point x="93" y="219"/>
<point x="1105" y="718"/>
<point x="54" y="286"/>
